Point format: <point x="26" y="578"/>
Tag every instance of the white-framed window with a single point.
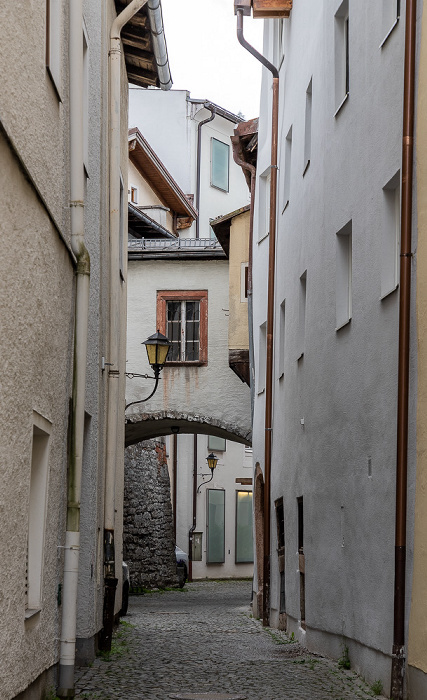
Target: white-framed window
<point x="220" y="161"/>
<point x="54" y="14"/>
<point x="307" y="130"/>
<point x="244" y="271"/>
<point x="389" y="19"/>
<point x="37" y="512"/>
<point x="390" y="236"/>
<point x="302" y="313"/>
<point x="288" y="169"/>
<point x="342" y="55"/>
<point x="343" y="275"/>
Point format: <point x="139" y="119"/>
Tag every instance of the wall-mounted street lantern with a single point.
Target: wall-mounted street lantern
<point x="157" y="346"/>
<point x="212" y="461"/>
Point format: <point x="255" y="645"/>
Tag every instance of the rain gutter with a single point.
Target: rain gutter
<point x="74" y="476"/>
<point x="159" y="44"/>
<point x="212" y="110"/>
<point x="270" y="311"/>
<point x="115" y="406"/>
<point x="398" y="655"/>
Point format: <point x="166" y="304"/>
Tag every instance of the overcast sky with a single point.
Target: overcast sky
<point x="205" y="56"/>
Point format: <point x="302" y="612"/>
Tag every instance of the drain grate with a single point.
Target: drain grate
<point x="207" y="696"/>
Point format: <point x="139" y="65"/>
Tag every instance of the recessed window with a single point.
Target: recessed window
<point x="121" y="230"/>
<point x="244" y="272"/>
<point x="85" y="101"/>
<point x="217" y="444"/>
<point x="307" y="132"/>
<point x="37" y="512"/>
<point x="342" y="56"/>
<point x="220" y="156"/>
<point x="53" y="42"/>
<point x="215" y="526"/>
<point x="390" y="236"/>
<point x="301" y="559"/>
<point x="133" y="195"/>
<point x="282" y="326"/>
<point x="182" y="317"/>
<point x="344" y="275"/>
<point x="390" y="18"/>
<point x="262" y="357"/>
<point x="288" y="168"/>
<point x="244" y="528"/>
<point x="197" y="546"/>
<point x="264" y="205"/>
<point x="302" y="313"/>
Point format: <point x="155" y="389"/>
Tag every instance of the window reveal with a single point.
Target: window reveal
<point x="219" y="164"/>
<point x="183" y="330"/>
<point x="183" y="317"/>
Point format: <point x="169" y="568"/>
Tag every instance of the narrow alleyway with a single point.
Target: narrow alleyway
<point x="204" y="640"/>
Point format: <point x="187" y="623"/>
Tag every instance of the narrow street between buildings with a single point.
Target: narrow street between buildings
<point x="203" y="640"/>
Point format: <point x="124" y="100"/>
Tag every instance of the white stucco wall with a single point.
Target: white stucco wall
<point x="170" y="122"/>
<point x="211" y="390"/>
<point x="344" y="388"/>
<point x="233" y="463"/>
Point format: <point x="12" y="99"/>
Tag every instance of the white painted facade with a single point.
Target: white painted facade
<point x="169" y="121"/>
<point x="234" y="464"/>
<point x="336" y="321"/>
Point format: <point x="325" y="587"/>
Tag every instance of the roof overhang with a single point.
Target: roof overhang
<point x="221" y="227"/>
<point x="144" y="46"/>
<point x="152" y="169"/>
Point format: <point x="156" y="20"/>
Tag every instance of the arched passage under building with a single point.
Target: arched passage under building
<point x="142" y="425"/>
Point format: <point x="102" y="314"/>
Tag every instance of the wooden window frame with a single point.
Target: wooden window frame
<point x="163" y="296"/>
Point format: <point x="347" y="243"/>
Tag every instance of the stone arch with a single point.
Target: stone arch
<point x="142" y="425"/>
<point x="259" y="537"/>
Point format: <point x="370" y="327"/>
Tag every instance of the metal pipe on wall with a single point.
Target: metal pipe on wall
<point x="114" y="374"/>
<point x="193" y="527"/>
<point x="398" y="655"/>
<point x="72" y="535"/>
<point x="270" y="313"/>
<point x="211" y="109"/>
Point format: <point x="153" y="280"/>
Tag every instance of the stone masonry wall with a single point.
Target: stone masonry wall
<point x="148" y="545"/>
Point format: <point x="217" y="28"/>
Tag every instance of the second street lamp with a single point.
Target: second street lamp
<point x="157" y="346"/>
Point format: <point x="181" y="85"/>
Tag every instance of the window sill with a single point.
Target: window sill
<point x="266" y="235"/>
<point x="342" y="104"/>
<point x="31" y="612"/>
<point x="343" y="324"/>
<point x="387" y="294"/>
<point x="300" y="356"/>
<point x="286" y="206"/>
<point x="261" y="391"/>
<point x="221" y="189"/>
<point x="177" y="363"/>
<point x="306" y="167"/>
<point x="390" y="31"/>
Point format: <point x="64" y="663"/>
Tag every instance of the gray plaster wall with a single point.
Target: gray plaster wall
<point x="149" y="548"/>
<point x="335" y="396"/>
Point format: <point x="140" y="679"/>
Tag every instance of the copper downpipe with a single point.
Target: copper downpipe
<point x="193" y="527"/>
<point x="398" y="658"/>
<point x="270" y="314"/>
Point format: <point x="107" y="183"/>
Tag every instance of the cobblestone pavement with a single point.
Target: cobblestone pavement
<point x="204" y="640"/>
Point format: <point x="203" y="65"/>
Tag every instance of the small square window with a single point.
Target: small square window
<point x="217" y="444"/>
<point x="220" y="156"/>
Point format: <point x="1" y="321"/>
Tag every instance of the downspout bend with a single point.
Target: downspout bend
<point x="211" y="108"/>
<point x="270" y="313"/>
